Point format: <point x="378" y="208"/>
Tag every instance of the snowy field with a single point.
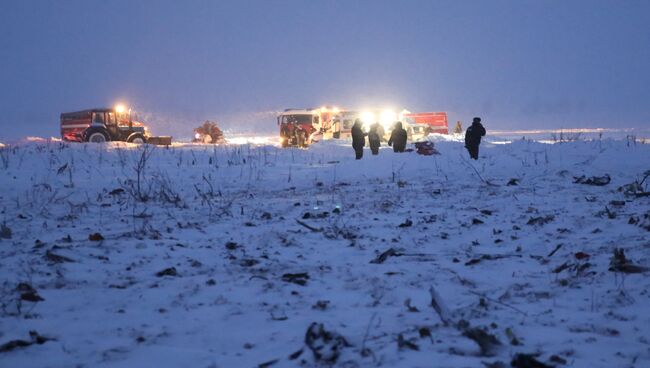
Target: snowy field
<point x="201" y="256"/>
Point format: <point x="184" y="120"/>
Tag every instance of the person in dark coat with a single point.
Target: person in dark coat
<point x="374" y="139"/>
<point x="358" y="139"/>
<point x="473" y="136"/>
<point x="398" y="138"/>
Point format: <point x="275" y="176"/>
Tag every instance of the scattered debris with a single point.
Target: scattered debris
<point x="171" y="271"/>
<point x="391" y="252"/>
<point x="406" y="223"/>
<point x="325" y="345"/>
<point x="116" y="191"/>
<point x="513" y="181"/>
<point x="95" y="237"/>
<point x="248" y="262"/>
<point x="511" y="336"/>
<point x="488" y="343"/>
<point x="296" y="278"/>
<point x="581" y="255"/>
<point x="402" y="343"/>
<point x="476" y="221"/>
<point x="439" y="306"/>
<point x="309" y="215"/>
<point x="5" y="231"/>
<point x="641" y="221"/>
<point x="619" y="263"/>
<point x="55" y="258"/>
<point x="409" y="307"/>
<point x="555" y="250"/>
<point x="521" y="360"/>
<point x="593" y="180"/>
<point x="425" y="332"/>
<point x="35" y="338"/>
<point x="231" y="245"/>
<point x="28" y="293"/>
<point x="542" y="220"/>
<point x="489" y="257"/>
<point x="321" y="305"/>
<point x="314" y="229"/>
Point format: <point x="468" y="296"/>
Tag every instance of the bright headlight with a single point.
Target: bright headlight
<point x="367" y="117"/>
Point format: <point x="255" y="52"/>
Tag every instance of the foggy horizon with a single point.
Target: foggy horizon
<point x="517" y="64"/>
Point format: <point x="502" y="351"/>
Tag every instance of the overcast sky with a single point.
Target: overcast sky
<point x="518" y="64"/>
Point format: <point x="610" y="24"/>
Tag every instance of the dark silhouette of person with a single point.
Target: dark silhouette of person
<point x="358" y="139"/>
<point x="374" y="139"/>
<point x="398" y="138"/>
<point x="458" y="129"/>
<point x="473" y="136"/>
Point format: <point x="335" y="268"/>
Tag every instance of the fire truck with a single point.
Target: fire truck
<point x="434" y="122"/>
<point x="301" y="127"/>
<point x="106" y="124"/>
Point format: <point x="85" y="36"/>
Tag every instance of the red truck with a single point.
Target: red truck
<point x="106" y="124"/>
<point x="434" y="122"/>
<point x="301" y="127"/>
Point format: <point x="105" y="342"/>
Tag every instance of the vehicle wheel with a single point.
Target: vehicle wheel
<point x="136" y="138"/>
<point x="96" y="136"/>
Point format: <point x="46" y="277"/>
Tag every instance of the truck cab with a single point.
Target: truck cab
<point x="297" y="126"/>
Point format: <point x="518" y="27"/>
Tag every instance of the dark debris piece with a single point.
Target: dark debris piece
<point x="527" y="361"/>
<point x="56" y="258"/>
<point x="391" y="252"/>
<point x="171" y="271"/>
<point x="542" y="220"/>
<point x="28" y="293"/>
<point x="35" y="338"/>
<point x="407" y="223"/>
<point x="488" y="343"/>
<point x="620" y="263"/>
<point x="95" y="237"/>
<point x="325" y="345"/>
<point x="296" y="278"/>
<point x="402" y="343"/>
<point x="593" y="180"/>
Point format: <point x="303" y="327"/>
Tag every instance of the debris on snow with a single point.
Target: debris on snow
<point x="593" y="180"/>
<point x="95" y="237"/>
<point x="171" y="271"/>
<point x="620" y="263"/>
<point x="296" y="278"/>
<point x="542" y="220"/>
<point x="521" y="360"/>
<point x="325" y="345"/>
<point x="35" y="339"/>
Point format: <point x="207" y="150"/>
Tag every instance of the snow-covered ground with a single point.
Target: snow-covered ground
<point x="202" y="256"/>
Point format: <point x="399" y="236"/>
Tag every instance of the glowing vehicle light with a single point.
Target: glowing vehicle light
<point x="120" y="109"/>
<point x="367" y="117"/>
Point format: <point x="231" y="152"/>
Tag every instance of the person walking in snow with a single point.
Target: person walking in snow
<point x="458" y="129"/>
<point x="398" y="138"/>
<point x="374" y="140"/>
<point x="473" y="136"/>
<point x="358" y="139"/>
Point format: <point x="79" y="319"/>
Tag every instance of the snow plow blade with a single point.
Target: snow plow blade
<point x="160" y="141"/>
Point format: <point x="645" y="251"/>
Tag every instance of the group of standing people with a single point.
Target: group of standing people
<point x="375" y="135"/>
<point x="398" y="138"/>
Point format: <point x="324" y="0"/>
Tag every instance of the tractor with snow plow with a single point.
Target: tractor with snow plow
<point x="106" y="124"/>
